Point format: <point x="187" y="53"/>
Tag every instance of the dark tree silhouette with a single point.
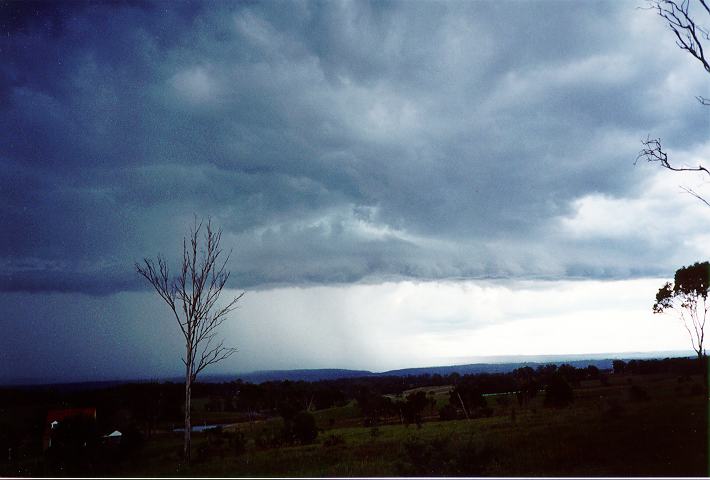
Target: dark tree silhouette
<point x="304" y="427"/>
<point x="688" y="296"/>
<point x="619" y="366"/>
<point x="558" y="393"/>
<point x="193" y="297"/>
<point x="691" y="36"/>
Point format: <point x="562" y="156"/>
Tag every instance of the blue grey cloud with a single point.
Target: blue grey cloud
<point x="333" y="141"/>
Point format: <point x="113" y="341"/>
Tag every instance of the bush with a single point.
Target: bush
<point x="304" y="427"/>
<point x="558" y="392"/>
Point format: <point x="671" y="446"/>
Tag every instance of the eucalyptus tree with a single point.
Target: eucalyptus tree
<point x="687" y="296"/>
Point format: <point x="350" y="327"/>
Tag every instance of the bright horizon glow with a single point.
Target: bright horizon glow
<point x="409" y="324"/>
<point x="375" y="327"/>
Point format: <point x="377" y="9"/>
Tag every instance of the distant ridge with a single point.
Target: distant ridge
<point x="500" y="364"/>
<point x="491" y="364"/>
<point x="308" y="375"/>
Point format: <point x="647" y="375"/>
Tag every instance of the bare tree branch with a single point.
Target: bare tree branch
<point x="696" y="195"/>
<point x="690" y="36"/>
<point x="653" y="152"/>
<point x="193" y="297"/>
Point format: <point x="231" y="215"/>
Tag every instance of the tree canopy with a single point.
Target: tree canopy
<point x="687" y="295"/>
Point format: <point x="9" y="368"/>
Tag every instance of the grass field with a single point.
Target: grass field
<point x="604" y="432"/>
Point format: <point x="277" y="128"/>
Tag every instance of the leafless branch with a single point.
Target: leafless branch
<point x="689" y="34"/>
<point x="695" y="194"/>
<point x="193" y="297"/>
<point x="653" y="152"/>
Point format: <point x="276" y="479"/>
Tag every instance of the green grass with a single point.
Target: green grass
<point x="603" y="433"/>
<point x="338" y="416"/>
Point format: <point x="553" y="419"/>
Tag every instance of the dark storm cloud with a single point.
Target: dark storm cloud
<point x="332" y="141"/>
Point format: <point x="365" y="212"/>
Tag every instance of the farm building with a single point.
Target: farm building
<point x="55" y="417"/>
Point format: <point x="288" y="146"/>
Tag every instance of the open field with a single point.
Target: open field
<point x="606" y="431"/>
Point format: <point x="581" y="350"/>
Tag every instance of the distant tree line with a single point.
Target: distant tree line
<point x="676" y="366"/>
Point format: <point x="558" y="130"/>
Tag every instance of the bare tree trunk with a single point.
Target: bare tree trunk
<point x="188" y="402"/>
<point x="463" y="406"/>
<point x="192" y="296"/>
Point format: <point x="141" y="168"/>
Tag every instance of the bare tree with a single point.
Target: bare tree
<point x="193" y="297"/>
<point x="690" y="37"/>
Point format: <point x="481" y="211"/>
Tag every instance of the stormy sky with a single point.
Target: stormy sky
<point x="402" y="183"/>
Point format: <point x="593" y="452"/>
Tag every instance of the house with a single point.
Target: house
<point x="55" y="417"/>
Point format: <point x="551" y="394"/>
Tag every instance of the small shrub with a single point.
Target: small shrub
<point x="375" y="432"/>
<point x="304" y="427"/>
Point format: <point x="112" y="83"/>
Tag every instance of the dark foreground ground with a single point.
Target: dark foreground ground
<point x="643" y="425"/>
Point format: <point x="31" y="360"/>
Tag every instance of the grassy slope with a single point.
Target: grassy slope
<point x="603" y="433"/>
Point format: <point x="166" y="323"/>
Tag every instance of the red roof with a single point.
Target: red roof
<point x="59" y="415"/>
